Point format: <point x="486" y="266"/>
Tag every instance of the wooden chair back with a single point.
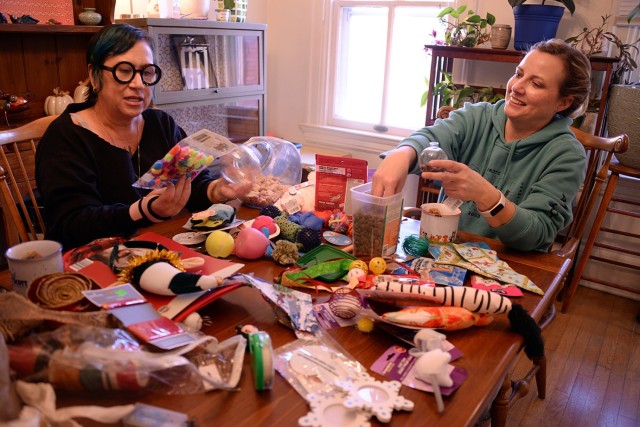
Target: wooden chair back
<point x="22" y="219"/>
<point x="600" y="152"/>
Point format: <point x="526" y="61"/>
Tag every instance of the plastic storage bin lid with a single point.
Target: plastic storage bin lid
<point x="362" y="193"/>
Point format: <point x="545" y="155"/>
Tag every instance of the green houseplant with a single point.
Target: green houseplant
<point x="456" y="95"/>
<point x="592" y="41"/>
<point x="468" y="29"/>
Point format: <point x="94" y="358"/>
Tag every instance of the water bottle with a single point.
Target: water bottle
<point x="432" y="152"/>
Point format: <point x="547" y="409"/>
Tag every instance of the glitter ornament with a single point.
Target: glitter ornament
<point x="345" y="303"/>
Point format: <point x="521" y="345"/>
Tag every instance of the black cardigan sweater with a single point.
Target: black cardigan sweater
<point x="86" y="183"/>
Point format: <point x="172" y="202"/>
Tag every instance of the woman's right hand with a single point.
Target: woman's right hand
<point x="171" y="199"/>
<point x="392" y="173"/>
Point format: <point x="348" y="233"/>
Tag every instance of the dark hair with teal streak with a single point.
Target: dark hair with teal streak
<point x="111" y="40"/>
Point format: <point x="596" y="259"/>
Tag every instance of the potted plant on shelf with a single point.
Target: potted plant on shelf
<point x="624" y="97"/>
<point x="594" y="41"/>
<point x="468" y="30"/>
<point x="536" y="22"/>
<point x="456" y="95"/>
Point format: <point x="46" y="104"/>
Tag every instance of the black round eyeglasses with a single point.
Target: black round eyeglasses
<point x="124" y="72"/>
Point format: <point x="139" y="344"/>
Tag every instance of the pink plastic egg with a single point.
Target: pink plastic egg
<point x="251" y="244"/>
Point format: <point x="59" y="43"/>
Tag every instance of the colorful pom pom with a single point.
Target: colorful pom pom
<point x="365" y="325"/>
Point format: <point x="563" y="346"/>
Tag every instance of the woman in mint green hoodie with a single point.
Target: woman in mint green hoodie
<point x="516" y="163"/>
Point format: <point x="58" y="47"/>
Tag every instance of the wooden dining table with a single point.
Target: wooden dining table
<point x="489" y="352"/>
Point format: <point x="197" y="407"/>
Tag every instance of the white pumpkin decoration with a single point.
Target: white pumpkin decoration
<point x="81" y="92"/>
<point x="56" y="103"/>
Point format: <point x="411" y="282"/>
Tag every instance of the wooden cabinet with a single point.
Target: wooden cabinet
<point x="35" y="59"/>
<point x="443" y="57"/>
<point x="213" y="74"/>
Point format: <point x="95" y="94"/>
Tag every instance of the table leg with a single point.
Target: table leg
<point x="500" y="406"/>
<point x="541" y="376"/>
<point x="510" y="391"/>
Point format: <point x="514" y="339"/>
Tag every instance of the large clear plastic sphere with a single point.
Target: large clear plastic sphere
<point x="241" y="166"/>
<point x="278" y="158"/>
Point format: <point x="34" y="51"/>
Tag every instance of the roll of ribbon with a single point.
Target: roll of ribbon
<point x="261" y="360"/>
<point x="62" y="291"/>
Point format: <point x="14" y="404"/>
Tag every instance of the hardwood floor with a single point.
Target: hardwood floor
<point x="593" y="372"/>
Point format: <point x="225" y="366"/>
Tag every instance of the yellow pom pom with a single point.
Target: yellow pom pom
<point x="359" y="264"/>
<point x="377" y="265"/>
<point x="365" y="325"/>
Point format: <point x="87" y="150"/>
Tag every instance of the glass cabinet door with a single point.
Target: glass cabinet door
<point x="202" y="63"/>
<point x="237" y="118"/>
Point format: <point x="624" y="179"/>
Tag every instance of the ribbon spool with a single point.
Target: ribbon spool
<point x="261" y="360"/>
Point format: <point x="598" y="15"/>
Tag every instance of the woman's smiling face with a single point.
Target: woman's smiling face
<point x="533" y="92"/>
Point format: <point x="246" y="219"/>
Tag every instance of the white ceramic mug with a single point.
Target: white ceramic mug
<point x="31" y="260"/>
<point x="438" y="222"/>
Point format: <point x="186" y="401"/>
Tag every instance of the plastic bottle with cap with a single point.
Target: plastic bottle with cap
<point x="432" y="152"/>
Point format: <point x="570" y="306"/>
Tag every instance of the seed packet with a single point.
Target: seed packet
<point x="189" y="157"/>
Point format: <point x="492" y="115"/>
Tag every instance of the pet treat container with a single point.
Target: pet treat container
<point x="376" y="222"/>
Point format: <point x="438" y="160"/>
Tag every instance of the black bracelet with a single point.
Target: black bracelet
<point x="152" y="213"/>
<point x="144" y="216"/>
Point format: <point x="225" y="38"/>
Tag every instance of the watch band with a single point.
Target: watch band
<point x="495" y="209"/>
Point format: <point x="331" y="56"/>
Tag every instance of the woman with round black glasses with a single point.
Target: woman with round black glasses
<point x="90" y="155"/>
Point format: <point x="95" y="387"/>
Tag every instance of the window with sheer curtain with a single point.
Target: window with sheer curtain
<point x="379" y="64"/>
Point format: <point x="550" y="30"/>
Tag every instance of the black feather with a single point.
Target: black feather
<point x="523" y="324"/>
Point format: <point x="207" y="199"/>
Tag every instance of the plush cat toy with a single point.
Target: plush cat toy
<point x="161" y="272"/>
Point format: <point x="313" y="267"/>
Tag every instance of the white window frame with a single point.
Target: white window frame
<point x="334" y="60"/>
<point x="320" y="130"/>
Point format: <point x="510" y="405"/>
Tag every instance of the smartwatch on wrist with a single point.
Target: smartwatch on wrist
<point x="495" y="210"/>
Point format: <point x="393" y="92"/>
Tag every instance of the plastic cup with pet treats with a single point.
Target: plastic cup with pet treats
<point x="439" y="222"/>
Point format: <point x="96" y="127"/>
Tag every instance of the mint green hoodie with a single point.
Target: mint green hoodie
<point x="540" y="174"/>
